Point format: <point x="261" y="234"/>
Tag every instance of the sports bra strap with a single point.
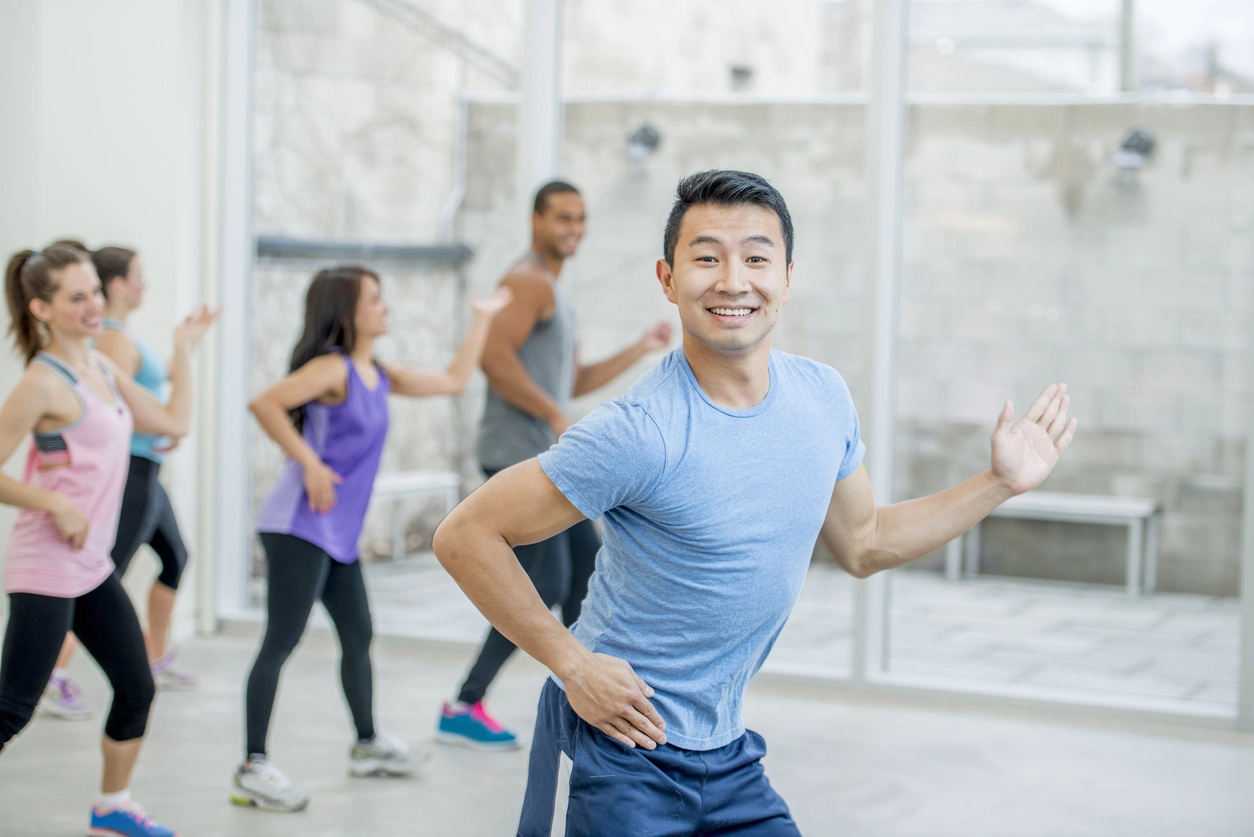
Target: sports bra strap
<point x="108" y="376"/>
<point x="59" y="367"/>
<point x="116" y="325"/>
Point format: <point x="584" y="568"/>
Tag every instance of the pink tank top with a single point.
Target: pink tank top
<point x="87" y="462"/>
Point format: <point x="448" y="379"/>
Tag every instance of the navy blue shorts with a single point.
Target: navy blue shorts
<point x="666" y="792"/>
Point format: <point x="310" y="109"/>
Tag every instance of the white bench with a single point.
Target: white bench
<point x="402" y="485"/>
<point x="1140" y="514"/>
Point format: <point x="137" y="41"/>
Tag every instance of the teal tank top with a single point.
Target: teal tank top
<point x="152" y="376"/>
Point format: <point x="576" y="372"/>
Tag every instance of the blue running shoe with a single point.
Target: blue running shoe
<point x="474" y="727"/>
<point x="127" y="821"/>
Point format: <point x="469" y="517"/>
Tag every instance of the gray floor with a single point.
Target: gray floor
<point x="1083" y="639"/>
<point x="848" y="767"/>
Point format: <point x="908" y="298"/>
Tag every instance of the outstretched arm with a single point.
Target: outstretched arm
<point x="119" y="346"/>
<point x="174" y="418"/>
<point x="521" y="505"/>
<point x="594" y="376"/>
<point x="865" y="539"/>
<point x="418" y="383"/>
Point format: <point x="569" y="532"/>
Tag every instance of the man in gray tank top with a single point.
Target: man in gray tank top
<point x="533" y="372"/>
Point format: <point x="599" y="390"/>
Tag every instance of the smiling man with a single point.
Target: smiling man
<point x="714" y="475"/>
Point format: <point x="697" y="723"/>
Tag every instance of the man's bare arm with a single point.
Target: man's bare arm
<point x="594" y="376"/>
<point x="533" y="302"/>
<point x="521" y="505"/>
<point x="865" y="539"/>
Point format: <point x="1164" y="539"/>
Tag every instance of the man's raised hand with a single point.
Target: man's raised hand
<point x="606" y="693"/>
<point x="1026" y="451"/>
<point x="657" y="337"/>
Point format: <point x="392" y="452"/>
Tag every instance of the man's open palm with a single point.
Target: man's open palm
<point x="1025" y="451"/>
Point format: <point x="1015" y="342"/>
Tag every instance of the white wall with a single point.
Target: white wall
<point x="100" y="141"/>
<point x="18" y="144"/>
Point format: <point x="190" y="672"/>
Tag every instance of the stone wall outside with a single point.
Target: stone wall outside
<point x="1026" y="260"/>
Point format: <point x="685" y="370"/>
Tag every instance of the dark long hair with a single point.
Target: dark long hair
<point x="31" y="274"/>
<point x="112" y="263"/>
<point x="330" y="319"/>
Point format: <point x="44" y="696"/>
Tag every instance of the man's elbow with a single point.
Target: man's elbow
<point x="857" y="569"/>
<point x="457" y="541"/>
<point x="856" y="565"/>
<point x="445" y="541"/>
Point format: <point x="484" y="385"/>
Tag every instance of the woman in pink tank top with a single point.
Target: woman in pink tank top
<point x="80" y="409"/>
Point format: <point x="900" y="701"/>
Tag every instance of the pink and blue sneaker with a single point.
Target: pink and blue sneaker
<point x="126" y="821"/>
<point x="472" y="726"/>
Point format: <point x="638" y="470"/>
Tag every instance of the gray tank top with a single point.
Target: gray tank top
<point x="507" y="435"/>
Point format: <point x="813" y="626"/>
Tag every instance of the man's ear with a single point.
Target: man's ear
<point x="788" y="281"/>
<point x="666" y="277"/>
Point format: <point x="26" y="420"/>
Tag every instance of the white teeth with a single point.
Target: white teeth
<point x="732" y="312"/>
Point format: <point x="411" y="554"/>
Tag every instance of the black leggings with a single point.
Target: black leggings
<point x="147" y="517"/>
<point x="559" y="568"/>
<point x="300" y="574"/>
<point x="105" y="623"/>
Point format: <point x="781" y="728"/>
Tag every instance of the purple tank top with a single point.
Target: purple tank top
<point x="349" y="438"/>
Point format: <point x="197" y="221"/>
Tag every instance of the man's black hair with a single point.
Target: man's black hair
<point x="724" y="188"/>
<point x="555" y="187"/>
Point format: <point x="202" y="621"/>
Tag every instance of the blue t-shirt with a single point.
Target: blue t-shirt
<point x="709" y="519"/>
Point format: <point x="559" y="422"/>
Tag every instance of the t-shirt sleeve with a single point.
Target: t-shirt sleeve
<point x="855" y="449"/>
<point x="613" y="457"/>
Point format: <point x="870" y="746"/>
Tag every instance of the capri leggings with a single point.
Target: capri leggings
<point x="300" y="574"/>
<point x="147" y="518"/>
<point x="105" y="623"/>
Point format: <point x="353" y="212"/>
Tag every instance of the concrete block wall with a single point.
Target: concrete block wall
<point x="1027" y="260"/>
<point x="355" y="114"/>
<point x="612" y="279"/>
<point x="354" y="124"/>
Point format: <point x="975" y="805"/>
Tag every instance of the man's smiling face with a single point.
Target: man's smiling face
<point x="730" y="277"/>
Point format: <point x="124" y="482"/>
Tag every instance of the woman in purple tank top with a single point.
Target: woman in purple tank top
<point x="330" y="416"/>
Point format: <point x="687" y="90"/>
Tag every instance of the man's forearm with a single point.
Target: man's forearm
<point x="593" y="377"/>
<point x="909" y="530"/>
<point x="486" y="569"/>
<point x="509" y="379"/>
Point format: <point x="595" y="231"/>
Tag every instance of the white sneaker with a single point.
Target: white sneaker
<point x="385" y="755"/>
<point x="169" y="677"/>
<point x="260" y="784"/>
<point x="64" y="699"/>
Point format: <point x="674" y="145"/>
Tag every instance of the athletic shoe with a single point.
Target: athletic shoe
<point x="474" y="727"/>
<point x="259" y="783"/>
<point x="385" y="755"/>
<point x="170" y="678"/>
<point x="127" y="821"/>
<point x="64" y="699"/>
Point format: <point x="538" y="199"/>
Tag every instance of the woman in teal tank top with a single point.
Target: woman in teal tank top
<point x="146" y="515"/>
